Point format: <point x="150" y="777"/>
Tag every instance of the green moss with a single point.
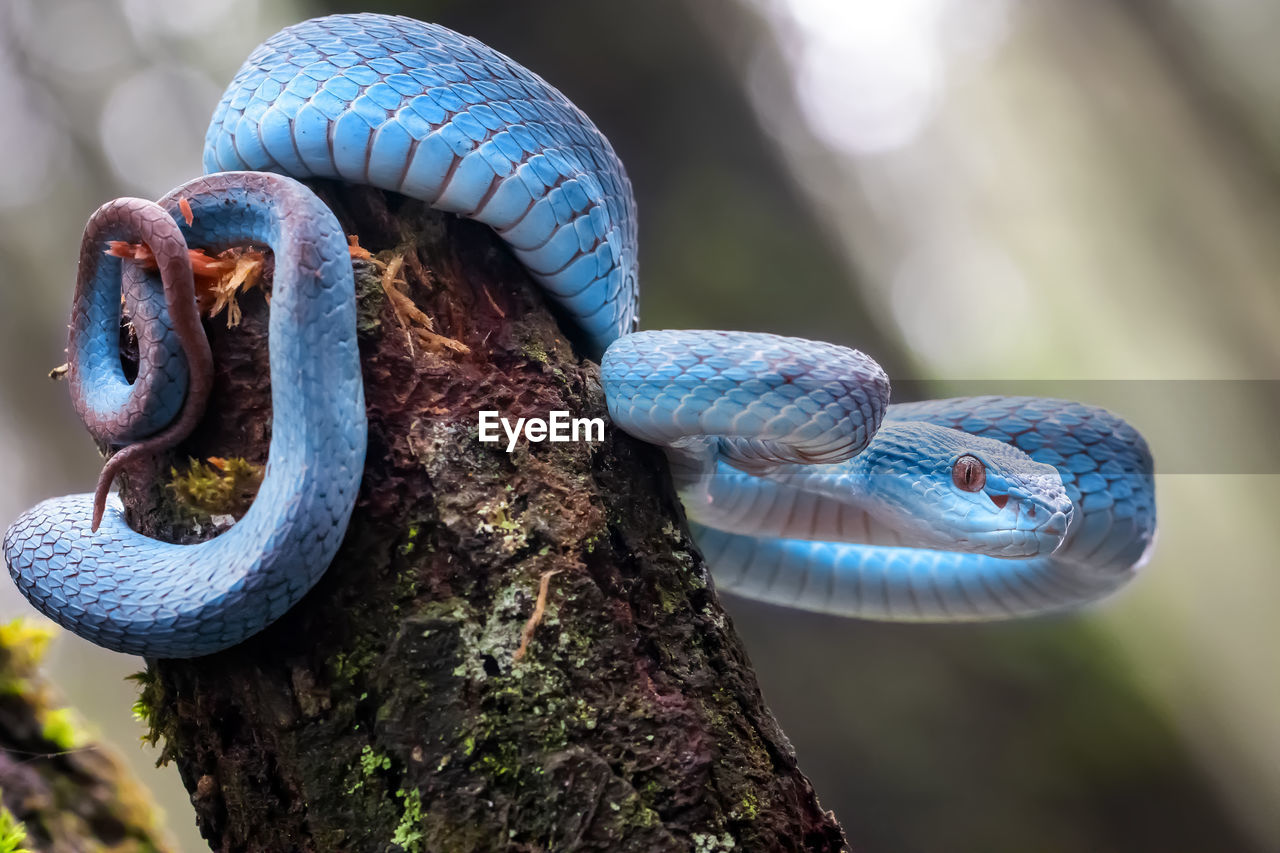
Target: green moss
<point x="410" y="540"/>
<point x="12" y="833"/>
<point x="216" y="487"/>
<point x="502" y="761"/>
<point x="23" y="644"/>
<point x="149" y="709"/>
<point x="145" y="706"/>
<point x="534" y="350"/>
<point x="371" y="762"/>
<point x="61" y="726"/>
<point x="348" y="666"/>
<point x="409" y="831"/>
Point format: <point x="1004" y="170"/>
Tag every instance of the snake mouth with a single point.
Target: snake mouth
<point x="1031" y="526"/>
<point x="1050" y="529"/>
<point x="1056" y="524"/>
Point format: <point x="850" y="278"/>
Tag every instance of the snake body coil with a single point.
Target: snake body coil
<point x="418" y="109"/>
<point x="131" y="593"/>
<point x="803" y="484"/>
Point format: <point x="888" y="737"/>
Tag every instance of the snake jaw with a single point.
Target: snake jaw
<point x="1041" y="516"/>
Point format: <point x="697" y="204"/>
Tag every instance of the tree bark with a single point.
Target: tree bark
<point x="393" y="709"/>
<point x="70" y="793"/>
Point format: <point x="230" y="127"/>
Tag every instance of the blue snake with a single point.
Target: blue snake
<point x="802" y="484"/>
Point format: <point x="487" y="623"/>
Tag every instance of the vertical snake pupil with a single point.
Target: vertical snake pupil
<point x="968" y="473"/>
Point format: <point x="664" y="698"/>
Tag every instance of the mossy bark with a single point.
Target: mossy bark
<point x="391" y="709"/>
<point x="68" y="792"/>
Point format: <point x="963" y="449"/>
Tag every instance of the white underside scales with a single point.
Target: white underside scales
<point x="899" y="584"/>
<point x="777" y="504"/>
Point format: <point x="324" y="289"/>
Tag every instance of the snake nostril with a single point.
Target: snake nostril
<point x="1031" y="511"/>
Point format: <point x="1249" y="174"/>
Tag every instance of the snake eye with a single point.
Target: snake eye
<point x="968" y="473"/>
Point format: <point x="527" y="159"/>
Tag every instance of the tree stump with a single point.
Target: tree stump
<point x="512" y="651"/>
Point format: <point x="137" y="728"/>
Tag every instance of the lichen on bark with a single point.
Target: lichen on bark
<point x="390" y="710"/>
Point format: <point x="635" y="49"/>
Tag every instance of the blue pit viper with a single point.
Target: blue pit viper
<point x="802" y="484"/>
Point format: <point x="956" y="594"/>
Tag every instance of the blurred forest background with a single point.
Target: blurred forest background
<point x="1080" y="196"/>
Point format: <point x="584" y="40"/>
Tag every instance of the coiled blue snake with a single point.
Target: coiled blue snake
<point x="802" y="484"/>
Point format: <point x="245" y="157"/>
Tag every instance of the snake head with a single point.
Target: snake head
<point x="943" y="488"/>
